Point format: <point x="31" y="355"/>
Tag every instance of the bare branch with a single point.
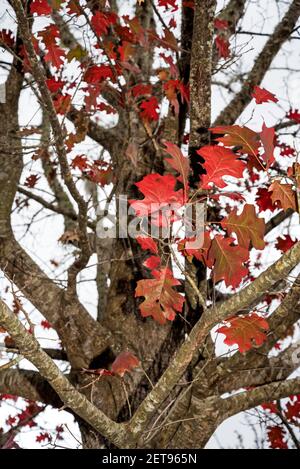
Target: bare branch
<point x="261" y="65"/>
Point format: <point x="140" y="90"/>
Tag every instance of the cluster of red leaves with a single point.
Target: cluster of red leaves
<point x="98" y="172"/>
<point x="290" y="413"/>
<point x="221" y="41"/>
<point x="235" y="150"/>
<point x="235" y="153"/>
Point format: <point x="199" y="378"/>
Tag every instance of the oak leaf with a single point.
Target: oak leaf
<point x="245" y="331"/>
<point x="147" y="243"/>
<point x="283" y="194"/>
<point x="261" y="95"/>
<point x="179" y="162"/>
<point x="219" y="162"/>
<point x="248" y="227"/>
<point x="161" y="302"/>
<point x="227" y="261"/>
<point x="236" y="136"/>
<point x="161" y="200"/>
<point x="124" y="362"/>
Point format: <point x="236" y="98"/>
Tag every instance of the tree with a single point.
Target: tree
<point x="124" y="101"/>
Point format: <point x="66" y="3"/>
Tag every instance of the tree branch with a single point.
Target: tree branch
<point x="30" y="349"/>
<point x="200" y="331"/>
<point x="261" y="65"/>
<point x="28" y="385"/>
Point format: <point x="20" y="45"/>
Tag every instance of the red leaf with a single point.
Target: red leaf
<point x="263" y="200"/>
<point x="62" y="103"/>
<point x="271" y="407"/>
<point x="159" y="196"/>
<point x="180" y="163"/>
<point x="32" y="180"/>
<point x="244" y="331"/>
<point x="228" y="261"/>
<point x="261" y="95"/>
<point x="80" y="162"/>
<point x="219" y="162"/>
<point x="46" y="324"/>
<point x="43" y="437"/>
<point x="223" y="47"/>
<point x="293" y="409"/>
<point x="161" y="300"/>
<point x="152" y="262"/>
<point x="220" y="24"/>
<point x="247" y="226"/>
<point x="54" y="85"/>
<point x="168" y="4"/>
<point x="237" y="136"/>
<point x="284" y="244"/>
<point x="101" y="22"/>
<point x="124" y="362"/>
<point x="7" y="38"/>
<point x="276" y="437"/>
<point x="74" y="7"/>
<point x="267" y="137"/>
<point x="283" y="194"/>
<point x="149" y="109"/>
<point x="100" y="176"/>
<point x="98" y="73"/>
<point x="147" y="243"/>
<point x="55" y="53"/>
<point x="40" y="7"/>
<point x="294" y="115"/>
<point x="141" y="89"/>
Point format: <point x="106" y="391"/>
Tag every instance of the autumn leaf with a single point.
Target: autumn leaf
<point x="46" y="324"/>
<point x="180" y="163"/>
<point x="7" y="38"/>
<point x="293" y="408"/>
<point x="98" y="73"/>
<point x="284" y="244"/>
<point x="248" y="227"/>
<point x="276" y="437"/>
<point x="263" y="200"/>
<point x="80" y="162"/>
<point x="149" y="109"/>
<point x="227" y="261"/>
<point x="160" y="198"/>
<point x="169" y="4"/>
<point x="222" y="45"/>
<point x="283" y="194"/>
<point x="102" y="21"/>
<point x="31" y="181"/>
<point x="54" y="52"/>
<point x="245" y="331"/>
<point x="221" y="24"/>
<point x="267" y="137"/>
<point x="40" y="7"/>
<point x="219" y="162"/>
<point x="261" y="95"/>
<point x="152" y="262"/>
<point x="236" y="136"/>
<point x="54" y="85"/>
<point x="294" y="115"/>
<point x="124" y="362"/>
<point x="161" y="302"/>
<point x="147" y="243"/>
